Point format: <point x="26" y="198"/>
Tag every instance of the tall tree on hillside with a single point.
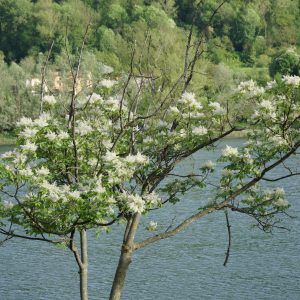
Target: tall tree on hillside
<point x="17" y="28"/>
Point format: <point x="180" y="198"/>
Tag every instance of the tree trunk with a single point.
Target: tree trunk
<point x="123" y="265"/>
<point x="83" y="267"/>
<point x="125" y="257"/>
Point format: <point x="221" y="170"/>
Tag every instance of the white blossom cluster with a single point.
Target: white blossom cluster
<point x="49" y="99"/>
<point x="291" y="80"/>
<point x="276" y="196"/>
<point x="108" y="83"/>
<point x="133" y="202"/>
<point x="250" y="88"/>
<point x="189" y="100"/>
<point x="217" y="108"/>
<point x="229" y="151"/>
<point x="152" y="226"/>
<point x="208" y="165"/>
<point x="121" y="169"/>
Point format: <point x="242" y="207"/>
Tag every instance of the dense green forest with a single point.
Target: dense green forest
<point x="244" y="39"/>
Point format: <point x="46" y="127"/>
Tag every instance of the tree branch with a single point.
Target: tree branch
<point x="229" y="238"/>
<point x="216" y="207"/>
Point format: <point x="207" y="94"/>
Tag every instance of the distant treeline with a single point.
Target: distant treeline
<point x="244" y="39"/>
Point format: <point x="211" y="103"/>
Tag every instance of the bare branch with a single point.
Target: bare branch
<point x="11" y="234"/>
<point x="229" y="238"/>
<point x="280" y="178"/>
<point x="74" y="249"/>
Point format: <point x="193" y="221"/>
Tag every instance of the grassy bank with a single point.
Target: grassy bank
<point x="6" y="139"/>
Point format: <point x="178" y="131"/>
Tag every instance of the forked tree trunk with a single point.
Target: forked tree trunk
<point x="125" y="257"/>
<point x="83" y="267"/>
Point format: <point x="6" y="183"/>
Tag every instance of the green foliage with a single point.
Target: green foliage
<point x="285" y="63"/>
<point x="241" y="34"/>
<point x="17" y="30"/>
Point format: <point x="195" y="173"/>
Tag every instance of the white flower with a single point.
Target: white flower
<point x="255" y="115"/>
<point x="26" y="172"/>
<point x="65" y="188"/>
<point x="42" y="171"/>
<point x="8" y="204"/>
<point x="217" y="108"/>
<point x="94" y="98"/>
<point x="162" y="123"/>
<point x="42" y="121"/>
<point x="148" y="140"/>
<point x="135" y="203"/>
<point x="25" y="122"/>
<point x="52" y="189"/>
<point x="246" y="86"/>
<point x="99" y="187"/>
<point x="8" y="154"/>
<point x="193" y="115"/>
<point x="152" y="226"/>
<point x="51" y="136"/>
<point x="270" y="84"/>
<point x="279" y="192"/>
<point x="247" y="157"/>
<point x="267" y="104"/>
<point x="229" y="151"/>
<point x="107" y="144"/>
<point x="29" y="147"/>
<point x="63" y="135"/>
<point x="20" y="158"/>
<point x="74" y="194"/>
<point x="199" y="130"/>
<point x="251" y="88"/>
<point x="226" y="173"/>
<point x="28" y="132"/>
<point x="291" y="80"/>
<point x="110" y="156"/>
<point x="141" y="159"/>
<point x="83" y="128"/>
<point x="278" y="140"/>
<point x="181" y="133"/>
<point x="208" y="165"/>
<point x="111" y="200"/>
<point x="174" y="109"/>
<point x="112" y="103"/>
<point x="280" y="202"/>
<point x="92" y="162"/>
<point x="110" y="210"/>
<point x="49" y="99"/>
<point x="189" y="99"/>
<point x="152" y="199"/>
<point x="107" y="83"/>
<point x="9" y="168"/>
<point x="130" y="158"/>
<point x="47" y="185"/>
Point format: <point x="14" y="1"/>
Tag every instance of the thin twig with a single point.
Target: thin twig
<point x="229" y="238"/>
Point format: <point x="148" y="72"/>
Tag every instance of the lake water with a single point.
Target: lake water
<point x="188" y="266"/>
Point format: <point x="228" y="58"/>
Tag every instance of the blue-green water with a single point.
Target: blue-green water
<point x="186" y="267"/>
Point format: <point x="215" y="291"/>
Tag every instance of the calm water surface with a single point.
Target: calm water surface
<point x="186" y="267"/>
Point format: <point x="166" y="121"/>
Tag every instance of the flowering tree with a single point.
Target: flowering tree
<point x="93" y="160"/>
<point x="111" y="157"/>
